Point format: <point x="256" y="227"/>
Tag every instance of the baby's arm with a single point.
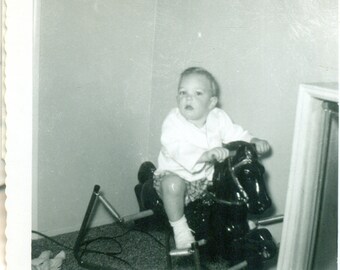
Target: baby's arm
<point x="232" y="132"/>
<point x="218" y="153"/>
<point x="262" y="146"/>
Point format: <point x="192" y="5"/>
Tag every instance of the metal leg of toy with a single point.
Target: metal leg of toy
<point x="196" y="254"/>
<point x="269" y="221"/>
<point x="95" y="196"/>
<point x="239" y="266"/>
<point x="77" y="250"/>
<point x="82" y="231"/>
<point x="125" y="219"/>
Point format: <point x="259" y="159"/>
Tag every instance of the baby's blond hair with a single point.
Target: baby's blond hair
<point x="204" y="72"/>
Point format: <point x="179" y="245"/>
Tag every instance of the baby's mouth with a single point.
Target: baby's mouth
<point x="188" y="107"/>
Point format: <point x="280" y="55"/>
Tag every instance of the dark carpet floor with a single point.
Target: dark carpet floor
<point x="134" y="249"/>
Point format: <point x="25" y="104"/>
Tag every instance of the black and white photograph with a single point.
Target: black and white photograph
<point x="157" y="134"/>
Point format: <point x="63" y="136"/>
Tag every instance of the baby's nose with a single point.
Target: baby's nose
<point x="189" y="97"/>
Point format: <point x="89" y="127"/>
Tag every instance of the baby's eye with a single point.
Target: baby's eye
<point x="199" y="93"/>
<point x="181" y="93"/>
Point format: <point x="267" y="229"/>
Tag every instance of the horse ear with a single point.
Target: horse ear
<point x="233" y="146"/>
<point x="251" y="148"/>
<point x="146" y="171"/>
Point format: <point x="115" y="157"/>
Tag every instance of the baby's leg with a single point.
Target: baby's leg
<point x="172" y="191"/>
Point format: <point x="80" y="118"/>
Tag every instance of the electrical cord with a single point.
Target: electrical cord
<point x="86" y="244"/>
<point x="150" y="235"/>
<point x="110" y="254"/>
<point x="52" y="240"/>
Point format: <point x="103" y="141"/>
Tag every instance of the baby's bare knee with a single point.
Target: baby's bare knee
<point x="173" y="185"/>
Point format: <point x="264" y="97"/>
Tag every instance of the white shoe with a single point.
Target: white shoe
<point x="55" y="264"/>
<point x="182" y="233"/>
<point x="42" y="262"/>
<point x="183" y="238"/>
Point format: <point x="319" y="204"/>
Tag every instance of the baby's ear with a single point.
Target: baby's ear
<point x="213" y="102"/>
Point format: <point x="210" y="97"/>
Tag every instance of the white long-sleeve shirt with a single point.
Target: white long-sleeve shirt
<point x="183" y="143"/>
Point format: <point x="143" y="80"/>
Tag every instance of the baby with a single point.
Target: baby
<point x="192" y="137"/>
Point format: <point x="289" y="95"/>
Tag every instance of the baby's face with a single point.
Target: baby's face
<point x="194" y="98"/>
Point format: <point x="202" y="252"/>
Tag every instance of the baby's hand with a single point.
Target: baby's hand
<point x="218" y="153"/>
<point x="262" y="146"/>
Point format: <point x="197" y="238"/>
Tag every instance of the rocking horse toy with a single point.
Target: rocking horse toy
<point x="221" y="215"/>
<point x="219" y="218"/>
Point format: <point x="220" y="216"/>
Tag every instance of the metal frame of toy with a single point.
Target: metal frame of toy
<point x="192" y="251"/>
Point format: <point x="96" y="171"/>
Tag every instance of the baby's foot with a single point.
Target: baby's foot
<point x="183" y="238"/>
<point x="182" y="233"/>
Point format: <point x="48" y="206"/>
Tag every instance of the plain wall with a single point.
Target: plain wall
<point x="94" y="87"/>
<point x="108" y="74"/>
<point x="259" y="52"/>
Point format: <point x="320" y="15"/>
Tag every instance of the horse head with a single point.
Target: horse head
<point x="239" y="179"/>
